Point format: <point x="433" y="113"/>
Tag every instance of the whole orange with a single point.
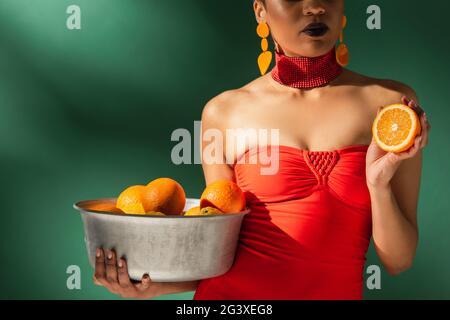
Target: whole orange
<point x="224" y="195"/>
<point x="130" y="200"/>
<point x="164" y="195"/>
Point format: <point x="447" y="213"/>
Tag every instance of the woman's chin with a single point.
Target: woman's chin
<point x="314" y="48"/>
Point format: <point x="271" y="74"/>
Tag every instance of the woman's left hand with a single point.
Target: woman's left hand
<point x="381" y="165"/>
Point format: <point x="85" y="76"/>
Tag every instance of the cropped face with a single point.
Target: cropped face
<point x="307" y="28"/>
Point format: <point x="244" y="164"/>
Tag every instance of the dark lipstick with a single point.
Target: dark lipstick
<point x="316" y="29"/>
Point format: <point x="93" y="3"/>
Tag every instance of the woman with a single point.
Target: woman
<point x="310" y="223"/>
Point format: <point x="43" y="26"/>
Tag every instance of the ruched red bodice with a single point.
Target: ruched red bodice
<point x="308" y="231"/>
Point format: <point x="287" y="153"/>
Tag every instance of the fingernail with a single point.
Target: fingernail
<point x="98" y="253"/>
<point x="110" y="255"/>
<point x="120" y="263"/>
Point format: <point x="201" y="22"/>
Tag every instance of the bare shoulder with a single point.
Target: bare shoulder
<point x="382" y="92"/>
<point x="394" y="90"/>
<point x="231" y="102"/>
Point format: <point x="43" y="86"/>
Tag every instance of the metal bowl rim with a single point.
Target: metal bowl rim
<point x="77" y="206"/>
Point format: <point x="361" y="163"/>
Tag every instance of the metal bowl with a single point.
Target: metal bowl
<point x="168" y="248"/>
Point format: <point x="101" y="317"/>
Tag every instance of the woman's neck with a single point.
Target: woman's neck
<point x="305" y="72"/>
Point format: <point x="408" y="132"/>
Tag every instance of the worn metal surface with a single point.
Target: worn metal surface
<point x="168" y="248"/>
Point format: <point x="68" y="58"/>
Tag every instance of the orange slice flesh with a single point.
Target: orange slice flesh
<point x="396" y="127"/>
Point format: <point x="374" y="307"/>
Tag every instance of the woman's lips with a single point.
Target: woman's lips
<point x="316" y="29"/>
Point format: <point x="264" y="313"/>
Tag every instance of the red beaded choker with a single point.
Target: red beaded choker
<point x="304" y="72"/>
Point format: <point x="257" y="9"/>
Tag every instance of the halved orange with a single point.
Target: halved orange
<point x="194" y="211"/>
<point x="207" y="211"/>
<point x="395" y="128"/>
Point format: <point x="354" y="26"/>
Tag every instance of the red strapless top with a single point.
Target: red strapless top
<point x="308" y="231"/>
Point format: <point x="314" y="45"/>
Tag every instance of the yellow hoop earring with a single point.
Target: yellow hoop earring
<point x="265" y="58"/>
<point x="342" y="52"/>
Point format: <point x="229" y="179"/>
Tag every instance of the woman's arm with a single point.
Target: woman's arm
<point x="394" y="185"/>
<point x="394" y="217"/>
<point x="214" y="121"/>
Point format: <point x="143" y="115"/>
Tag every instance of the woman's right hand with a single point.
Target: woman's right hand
<point x="113" y="275"/>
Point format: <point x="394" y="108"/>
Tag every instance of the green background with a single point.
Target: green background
<point x="85" y="113"/>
